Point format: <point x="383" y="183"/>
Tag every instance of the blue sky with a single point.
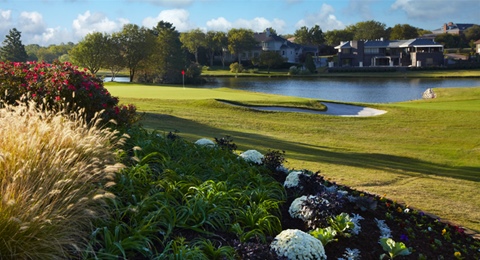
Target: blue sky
<point x="55" y="21"/>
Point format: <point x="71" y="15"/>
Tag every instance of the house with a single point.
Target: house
<point x="267" y="41"/>
<point x="413" y="52"/>
<point x="477" y="48"/>
<point x="453" y="28"/>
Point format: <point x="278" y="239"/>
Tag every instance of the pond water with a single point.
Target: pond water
<point x="365" y="90"/>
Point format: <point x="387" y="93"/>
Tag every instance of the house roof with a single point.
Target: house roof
<point x="394" y="44"/>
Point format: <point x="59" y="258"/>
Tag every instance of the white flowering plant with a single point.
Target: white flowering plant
<point x="296" y="244"/>
<point x="205" y="142"/>
<point x="252" y="156"/>
<point x="293" y="180"/>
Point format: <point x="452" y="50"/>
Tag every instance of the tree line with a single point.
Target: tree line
<point x="160" y="53"/>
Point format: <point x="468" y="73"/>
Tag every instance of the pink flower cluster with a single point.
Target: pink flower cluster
<point x="60" y="83"/>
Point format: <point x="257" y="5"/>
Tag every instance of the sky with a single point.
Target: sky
<point x="46" y="22"/>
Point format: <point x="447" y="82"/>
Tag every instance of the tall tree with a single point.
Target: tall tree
<point x="472" y="33"/>
<point x="114" y="60"/>
<point x="269" y="59"/>
<point x="311" y="36"/>
<point x="193" y="40"/>
<point x="334" y="37"/>
<point x="368" y="30"/>
<point x="169" y="58"/>
<point x="13" y="49"/>
<point x="403" y="32"/>
<point x="91" y="52"/>
<point x="136" y="45"/>
<point x="240" y="40"/>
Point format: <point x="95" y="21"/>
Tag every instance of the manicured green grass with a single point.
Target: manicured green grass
<point x="422" y="153"/>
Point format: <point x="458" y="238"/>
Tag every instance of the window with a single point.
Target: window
<point x="346" y="51"/>
<point x="372" y="50"/>
<point x="283" y="52"/>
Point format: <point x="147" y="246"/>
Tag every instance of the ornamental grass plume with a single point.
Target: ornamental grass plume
<point x="53" y="172"/>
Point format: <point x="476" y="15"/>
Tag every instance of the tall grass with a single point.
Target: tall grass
<point x="53" y="171"/>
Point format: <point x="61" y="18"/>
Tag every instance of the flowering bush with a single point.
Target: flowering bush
<point x="296" y="244"/>
<point x="299" y="210"/>
<point x="293" y="179"/>
<point x="61" y="86"/>
<point x="253" y="156"/>
<point x="205" y="142"/>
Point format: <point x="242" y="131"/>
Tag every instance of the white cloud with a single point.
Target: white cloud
<point x="31" y="22"/>
<point x="219" y="24"/>
<point x="5" y="21"/>
<point x="167" y="3"/>
<point x="52" y="36"/>
<point x="178" y="17"/>
<point x="95" y="22"/>
<point x="257" y="24"/>
<point x="325" y="18"/>
<point x="456" y="11"/>
<point x="361" y="8"/>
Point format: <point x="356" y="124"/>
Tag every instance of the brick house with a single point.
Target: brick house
<point x="413" y="52"/>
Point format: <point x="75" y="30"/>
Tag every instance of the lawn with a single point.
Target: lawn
<point x="425" y="154"/>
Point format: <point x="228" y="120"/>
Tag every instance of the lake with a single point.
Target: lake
<point x="365" y="90"/>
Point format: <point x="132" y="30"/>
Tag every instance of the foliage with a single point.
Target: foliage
<point x="309" y="36"/>
<point x="13" y="49"/>
<point x="53" y="179"/>
<point x="309" y="64"/>
<point x="175" y="199"/>
<point x="61" y="86"/>
<point x="334" y="37"/>
<point x="114" y="60"/>
<point x="393" y="248"/>
<point x="273" y="160"/>
<point x="236" y="67"/>
<point x="270" y="59"/>
<point x="240" y="40"/>
<point x="91" y="52"/>
<point x="368" y="30"/>
<point x="193" y="40"/>
<point x="325" y="235"/>
<point x="136" y="46"/>
<point x="226" y="143"/>
<point x="403" y="32"/>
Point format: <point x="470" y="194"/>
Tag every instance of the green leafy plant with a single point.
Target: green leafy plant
<point x="325" y="235"/>
<point x="341" y="223"/>
<point x="393" y="248"/>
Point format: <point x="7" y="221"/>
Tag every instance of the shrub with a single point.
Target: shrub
<point x="53" y="171"/>
<point x="293" y="70"/>
<point x="61" y="86"/>
<point x="236" y="67"/>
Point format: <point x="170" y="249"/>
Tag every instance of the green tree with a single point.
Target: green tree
<point x="269" y="59"/>
<point x="136" y="46"/>
<point x="240" y="40"/>
<point x="13" y="49"/>
<point x="168" y="57"/>
<point x="309" y="64"/>
<point x="32" y="50"/>
<point x="220" y="41"/>
<point x="403" y="32"/>
<point x="91" y="52"/>
<point x="114" y="60"/>
<point x="312" y="36"/>
<point x="334" y="37"/>
<point x="193" y="40"/>
<point x="472" y="33"/>
<point x="368" y="30"/>
<point x="449" y="40"/>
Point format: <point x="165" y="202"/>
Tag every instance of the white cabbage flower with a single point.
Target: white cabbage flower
<point x="205" y="142"/>
<point x="299" y="210"/>
<point x="296" y="244"/>
<point x="292" y="179"/>
<point x="385" y="231"/>
<point x="253" y="156"/>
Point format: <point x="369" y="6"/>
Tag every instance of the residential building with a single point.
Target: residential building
<point x="477" y="44"/>
<point x="453" y="28"/>
<point x="267" y="41"/>
<point x="413" y="52"/>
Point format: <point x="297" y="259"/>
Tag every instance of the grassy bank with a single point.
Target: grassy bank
<point x="422" y="153"/>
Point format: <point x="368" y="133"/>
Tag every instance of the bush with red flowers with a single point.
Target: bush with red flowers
<point x="61" y="86"/>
